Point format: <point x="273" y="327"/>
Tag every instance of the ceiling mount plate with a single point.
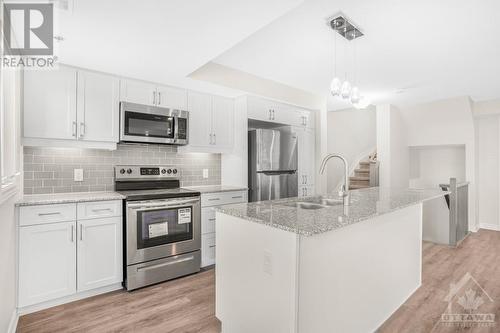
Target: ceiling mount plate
<point x="344" y="27"/>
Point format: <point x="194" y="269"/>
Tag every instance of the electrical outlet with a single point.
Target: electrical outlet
<point x="267" y="265"/>
<point x="78" y="175"/>
<point x="205" y="173"/>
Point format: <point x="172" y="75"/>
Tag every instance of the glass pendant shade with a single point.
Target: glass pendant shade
<point x="355" y="96"/>
<point x="345" y="90"/>
<point x="335" y="86"/>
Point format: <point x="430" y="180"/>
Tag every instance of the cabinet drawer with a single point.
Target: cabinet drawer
<point x="99" y="209"/>
<point x="207" y="249"/>
<point x="207" y="220"/>
<point x="223" y="198"/>
<point x="32" y="215"/>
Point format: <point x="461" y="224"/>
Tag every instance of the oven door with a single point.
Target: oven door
<point x="162" y="228"/>
<point x="142" y="123"/>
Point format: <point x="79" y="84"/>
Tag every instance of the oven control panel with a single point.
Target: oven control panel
<point x="145" y="172"/>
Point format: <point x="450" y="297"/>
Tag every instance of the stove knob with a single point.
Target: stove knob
<point x="163" y="171"/>
<point x="129" y="171"/>
<point x="169" y="171"/>
<point x="174" y="171"/>
<point x="122" y="171"/>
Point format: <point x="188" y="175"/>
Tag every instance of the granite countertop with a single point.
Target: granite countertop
<point x="215" y="188"/>
<point x="365" y="204"/>
<point x="62" y="198"/>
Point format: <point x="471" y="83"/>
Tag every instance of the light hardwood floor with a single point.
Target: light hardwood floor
<point x="188" y="304"/>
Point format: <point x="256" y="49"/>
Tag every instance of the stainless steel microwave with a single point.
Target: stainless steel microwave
<point x="151" y="124"/>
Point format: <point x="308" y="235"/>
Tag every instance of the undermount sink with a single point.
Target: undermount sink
<point x="304" y="205"/>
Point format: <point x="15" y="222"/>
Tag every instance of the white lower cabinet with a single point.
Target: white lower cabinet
<point x="64" y="258"/>
<point x="208" y="202"/>
<point x="99" y="252"/>
<point x="47" y="262"/>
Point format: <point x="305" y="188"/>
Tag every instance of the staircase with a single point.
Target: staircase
<point x="361" y="178"/>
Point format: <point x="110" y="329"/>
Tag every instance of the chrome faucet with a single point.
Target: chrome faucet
<point x="344" y="191"/>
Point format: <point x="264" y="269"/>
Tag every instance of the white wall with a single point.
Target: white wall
<point x="351" y="133"/>
<point x="446" y="123"/>
<point x="488" y="169"/>
<point x="392" y="148"/>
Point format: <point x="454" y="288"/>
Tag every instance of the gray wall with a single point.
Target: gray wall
<point x="50" y="170"/>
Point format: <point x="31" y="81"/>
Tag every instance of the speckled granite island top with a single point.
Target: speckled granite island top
<point x="62" y="198"/>
<point x="365" y="204"/>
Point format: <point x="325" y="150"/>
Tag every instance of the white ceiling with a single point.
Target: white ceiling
<point x="413" y="51"/>
<point x="158" y="40"/>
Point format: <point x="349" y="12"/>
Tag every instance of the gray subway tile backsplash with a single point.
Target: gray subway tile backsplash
<point x="50" y="170"/>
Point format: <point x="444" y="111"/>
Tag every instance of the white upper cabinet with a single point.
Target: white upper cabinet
<point x="210" y="123"/>
<point x="47" y="262"/>
<point x="200" y="119"/>
<point x="99" y="252"/>
<point x="98" y="107"/>
<point x="173" y="98"/>
<point x="50" y="103"/>
<point x="280" y="113"/>
<point x="138" y="92"/>
<point x="222" y="122"/>
<point x="150" y="94"/>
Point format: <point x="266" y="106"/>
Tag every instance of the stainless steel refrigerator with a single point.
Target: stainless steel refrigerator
<point x="272" y="164"/>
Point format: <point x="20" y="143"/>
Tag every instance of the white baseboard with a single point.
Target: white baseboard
<point x="13" y="322"/>
<point x="487" y="226"/>
<point x="67" y="299"/>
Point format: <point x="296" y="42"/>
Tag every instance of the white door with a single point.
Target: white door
<point x="47" y="262"/>
<point x="222" y="120"/>
<point x="138" y="92"/>
<point x="98" y="107"/>
<point x="200" y="119"/>
<point x="173" y="98"/>
<point x="99" y="252"/>
<point x="259" y="109"/>
<point x="50" y="103"/>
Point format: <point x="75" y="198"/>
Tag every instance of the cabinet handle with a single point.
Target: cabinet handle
<point x="237" y="197"/>
<point x="72" y="232"/>
<point x="47" y="214"/>
<point x="214" y="199"/>
<point x="159" y="98"/>
<point x="74" y="129"/>
<point x="273" y="113"/>
<point x="82" y="130"/>
<point x="81" y="232"/>
<point x="211" y="246"/>
<point x="306" y="179"/>
<point x="270" y="114"/>
<point x="215" y="139"/>
<point x="211" y="220"/>
<point x="154" y="97"/>
<point x="210" y="140"/>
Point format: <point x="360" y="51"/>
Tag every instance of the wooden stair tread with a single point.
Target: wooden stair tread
<point x="357" y="186"/>
<point x="359" y="178"/>
<point x="362" y="170"/>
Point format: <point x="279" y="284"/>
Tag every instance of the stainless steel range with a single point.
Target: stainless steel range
<point x="162" y="225"/>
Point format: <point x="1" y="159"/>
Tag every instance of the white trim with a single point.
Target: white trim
<point x="489" y="226"/>
<point x="68" y="299"/>
<point x="33" y="142"/>
<point x="13" y="322"/>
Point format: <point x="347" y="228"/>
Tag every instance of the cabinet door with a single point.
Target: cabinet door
<point x="98" y="107"/>
<point x="259" y="109"/>
<point x="99" y="252"/>
<point x="207" y="249"/>
<point x="50" y="104"/>
<point x="173" y="98"/>
<point x="222" y="120"/>
<point x="200" y="119"/>
<point x="306" y="156"/>
<point x="47" y="262"/>
<point x="138" y="92"/>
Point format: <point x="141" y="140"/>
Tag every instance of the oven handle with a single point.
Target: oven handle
<point x="146" y="268"/>
<point x="176" y="128"/>
<point x="174" y="204"/>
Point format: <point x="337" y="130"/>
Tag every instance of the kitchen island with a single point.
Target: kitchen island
<point x="313" y="265"/>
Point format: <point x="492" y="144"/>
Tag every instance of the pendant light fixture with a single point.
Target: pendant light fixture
<point x="345" y="89"/>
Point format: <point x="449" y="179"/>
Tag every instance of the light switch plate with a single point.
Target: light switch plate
<point x="78" y="175"/>
<point x="205" y="173"/>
